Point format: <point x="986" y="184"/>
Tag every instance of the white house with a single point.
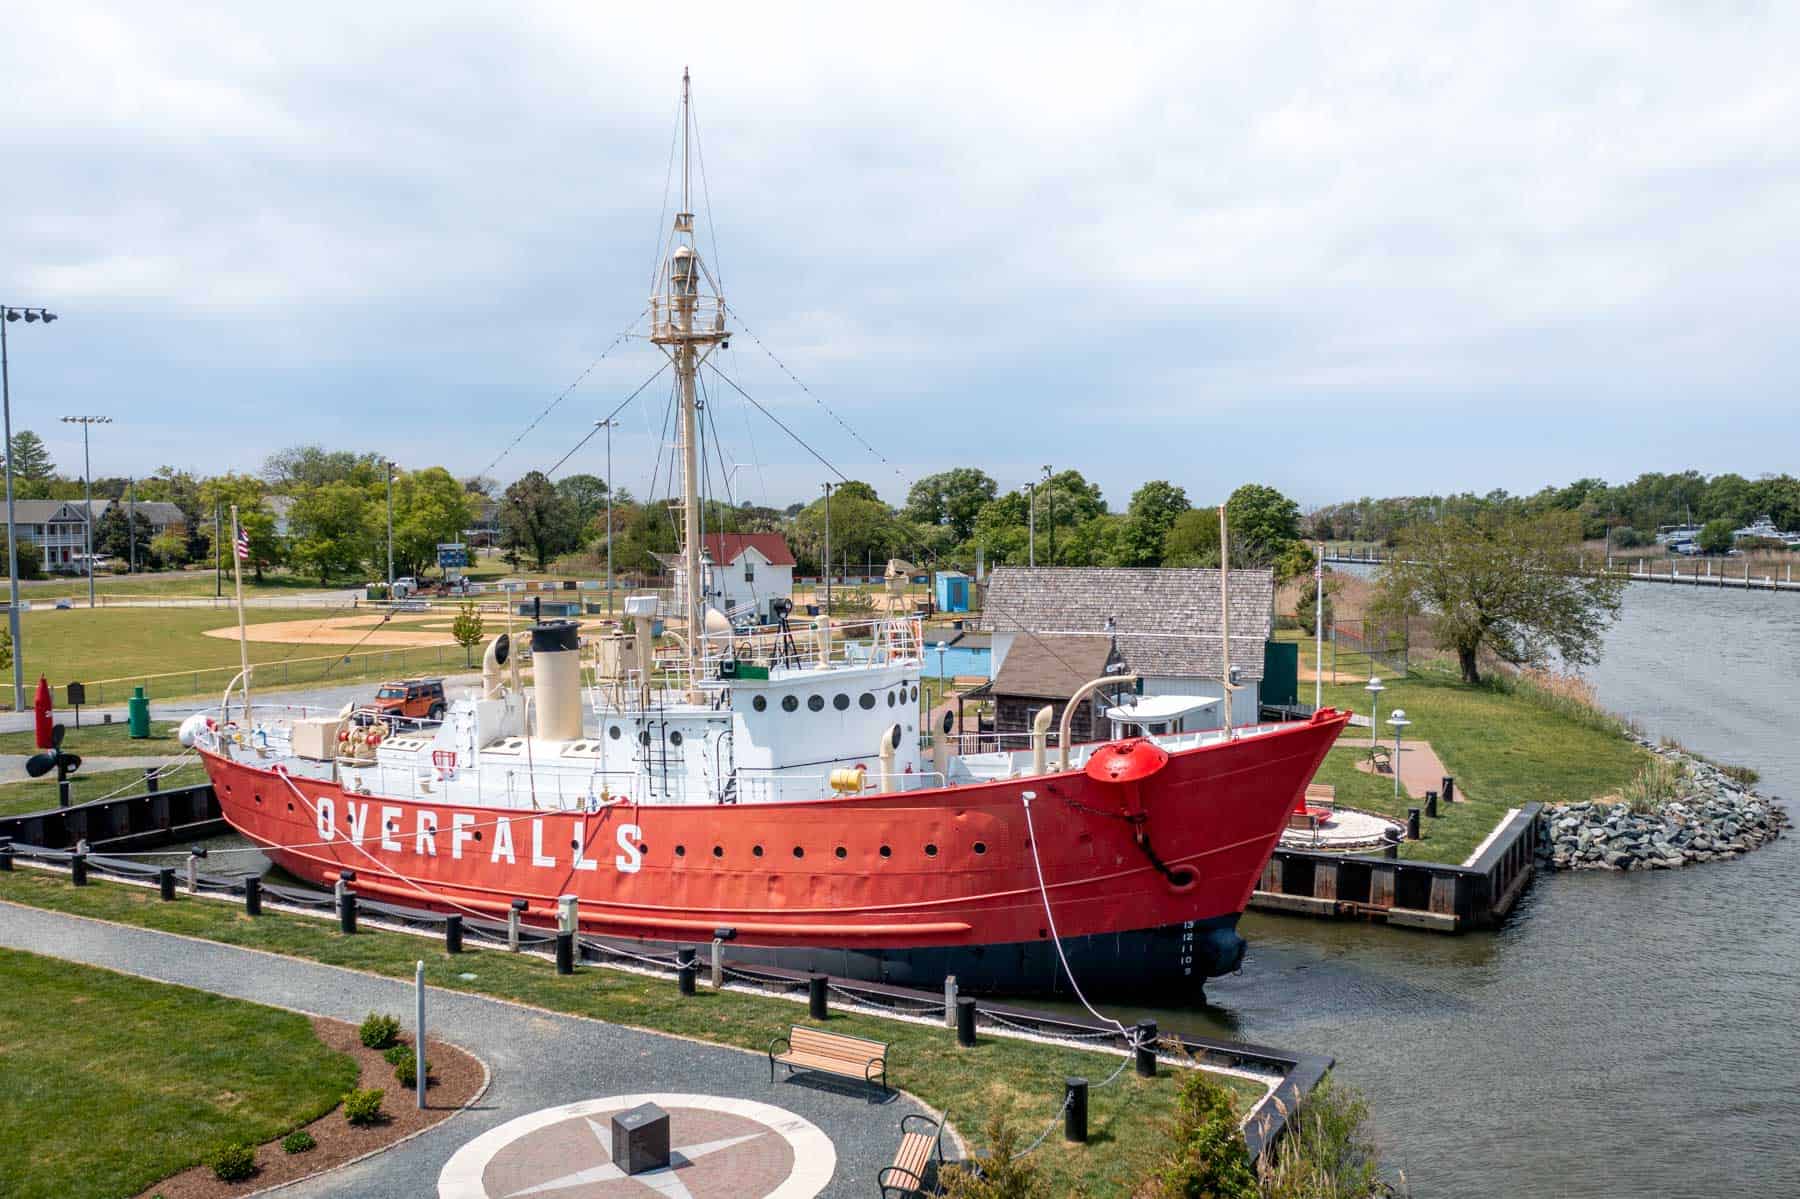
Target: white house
<point x="59" y="527"/>
<point x="742" y="572"/>
<point x="1166" y="624"/>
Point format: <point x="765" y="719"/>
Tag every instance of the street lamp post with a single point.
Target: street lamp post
<point x="608" y="424"/>
<point x="1399" y="721"/>
<point x="1051" y="497"/>
<point x="827" y="556"/>
<point x="9" y="315"/>
<point x="1374" y="689"/>
<point x="87" y="491"/>
<point x="1031" y="524"/>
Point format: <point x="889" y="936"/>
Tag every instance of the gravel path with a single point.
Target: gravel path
<point x="538" y="1059"/>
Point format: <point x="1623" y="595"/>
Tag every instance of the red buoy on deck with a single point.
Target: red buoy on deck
<point x="1127" y="761"/>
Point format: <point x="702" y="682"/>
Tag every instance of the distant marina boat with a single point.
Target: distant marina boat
<point x="777" y="787"/>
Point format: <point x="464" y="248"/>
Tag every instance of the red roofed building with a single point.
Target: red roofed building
<point x="744" y="571"/>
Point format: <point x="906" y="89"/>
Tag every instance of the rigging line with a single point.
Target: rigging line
<point x="712" y="234"/>
<point x="663" y="231"/>
<point x="778" y="424"/>
<point x="591" y="433"/>
<point x="710" y="420"/>
<point x="385" y="617"/>
<point x="842" y="423"/>
<point x="551" y="407"/>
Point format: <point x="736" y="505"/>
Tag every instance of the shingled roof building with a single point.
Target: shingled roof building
<point x="1165" y="623"/>
<point x="743" y="572"/>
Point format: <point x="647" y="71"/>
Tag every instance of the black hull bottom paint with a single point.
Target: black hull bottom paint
<point x="1170" y="961"/>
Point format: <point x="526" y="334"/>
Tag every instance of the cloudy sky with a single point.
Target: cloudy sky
<point x="1374" y="249"/>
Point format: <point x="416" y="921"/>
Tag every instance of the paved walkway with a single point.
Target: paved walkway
<point x="1421" y="770"/>
<point x="538" y="1059"/>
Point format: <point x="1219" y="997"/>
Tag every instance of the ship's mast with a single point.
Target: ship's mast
<point x="687" y="319"/>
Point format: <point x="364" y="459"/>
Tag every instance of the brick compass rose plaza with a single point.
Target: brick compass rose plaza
<point x="719" y="1147"/>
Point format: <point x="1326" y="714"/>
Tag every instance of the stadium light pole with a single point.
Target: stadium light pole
<point x="388" y="468"/>
<point x="9" y="314"/>
<point x="87" y="491"/>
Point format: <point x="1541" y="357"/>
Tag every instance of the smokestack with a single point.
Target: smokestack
<point x="556" y="664"/>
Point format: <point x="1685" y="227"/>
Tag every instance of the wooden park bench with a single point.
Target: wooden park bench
<point x="919" y="1149"/>
<point x="830" y="1053"/>
<point x="1315" y="808"/>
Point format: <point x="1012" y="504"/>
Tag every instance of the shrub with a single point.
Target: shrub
<point x="1325" y="1151"/>
<point x="999" y="1175"/>
<point x="1210" y="1159"/>
<point x="393" y="1053"/>
<point x="406" y="1067"/>
<point x="299" y="1141"/>
<point x="233" y="1163"/>
<point x="378" y="1032"/>
<point x="362" y="1105"/>
<point x="1659" y="782"/>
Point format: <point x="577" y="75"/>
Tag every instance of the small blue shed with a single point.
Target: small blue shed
<point x="952" y="590"/>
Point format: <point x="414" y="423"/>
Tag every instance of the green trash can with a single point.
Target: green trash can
<point x="137" y="710"/>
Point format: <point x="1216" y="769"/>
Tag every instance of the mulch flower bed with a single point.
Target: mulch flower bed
<point x="456" y="1077"/>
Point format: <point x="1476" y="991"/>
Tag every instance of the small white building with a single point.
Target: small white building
<point x="1166" y="624"/>
<point x="742" y="572"/>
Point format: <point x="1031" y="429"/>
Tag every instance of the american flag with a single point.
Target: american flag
<point x="243" y="545"/>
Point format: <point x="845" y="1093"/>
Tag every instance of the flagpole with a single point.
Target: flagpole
<point x="1319" y="631"/>
<point x="237" y="574"/>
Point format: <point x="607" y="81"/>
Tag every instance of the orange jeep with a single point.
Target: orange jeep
<point x="418" y="699"/>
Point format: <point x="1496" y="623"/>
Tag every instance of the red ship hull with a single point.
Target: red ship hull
<point x="902" y="886"/>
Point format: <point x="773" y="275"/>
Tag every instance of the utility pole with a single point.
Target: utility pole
<point x="218" y="573"/>
<point x="87" y="491"/>
<point x="8" y="315"/>
<point x="827" y="559"/>
<point x="1031" y="524"/>
<point x="388" y="468"/>
<point x="1050" y="494"/>
<point x="608" y="424"/>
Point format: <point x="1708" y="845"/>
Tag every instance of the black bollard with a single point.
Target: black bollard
<point x="252" y="895"/>
<point x="78" y="869"/>
<point x="152" y="777"/>
<point x="1431" y="804"/>
<point x="1146" y="1049"/>
<point x="1075" y="1110"/>
<point x="453" y="934"/>
<point x="816" y="1005"/>
<point x="1412" y="824"/>
<point x="565" y="953"/>
<point x="62" y="791"/>
<point x="6" y="857"/>
<point x="1390" y="844"/>
<point x="684" y="972"/>
<point x="165" y="882"/>
<point x="965" y="1021"/>
<point x="1449" y="789"/>
<point x="347" y="912"/>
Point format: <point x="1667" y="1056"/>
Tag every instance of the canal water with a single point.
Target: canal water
<point x="1622" y="1034"/>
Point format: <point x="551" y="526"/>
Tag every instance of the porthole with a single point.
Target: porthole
<point x="890" y="699"/>
<point x="790" y="703"/>
<point x="718" y="851"/>
<point x="841" y="852"/>
<point x="931" y="851"/>
<point x="798" y="852"/>
<point x="887" y="851"/>
<point x="980" y="847"/>
<point x="675" y="737"/>
<point x="478" y="834"/>
<point x="290" y="805"/>
<point x="756" y="851"/>
<point x="867" y="700"/>
<point x="573" y="844"/>
<point x="840" y="701"/>
<point x="258" y="799"/>
<point x="681" y="851"/>
<point x="815" y="703"/>
<point x="915" y="693"/>
<point x="613" y="732"/>
<point x="760" y="703"/>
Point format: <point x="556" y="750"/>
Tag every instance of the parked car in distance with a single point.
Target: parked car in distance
<point x="415" y="699"/>
<point x="404" y="586"/>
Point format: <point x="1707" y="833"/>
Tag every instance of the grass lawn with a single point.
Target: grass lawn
<point x="39" y="794"/>
<point x="105" y="740"/>
<point x="186" y="583"/>
<point x="1127" y="1121"/>
<point x="1504" y="750"/>
<point x="113" y="1082"/>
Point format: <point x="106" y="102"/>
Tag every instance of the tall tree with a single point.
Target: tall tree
<point x="331" y="529"/>
<point x="588" y="495"/>
<point x="113" y="534"/>
<point x="534" y="518"/>
<point x="314" y="466"/>
<point x="430" y="508"/>
<point x="951" y="498"/>
<point x="1515" y="586"/>
<point x="217" y="494"/>
<point x="32" y="469"/>
<point x="1153" y="511"/>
